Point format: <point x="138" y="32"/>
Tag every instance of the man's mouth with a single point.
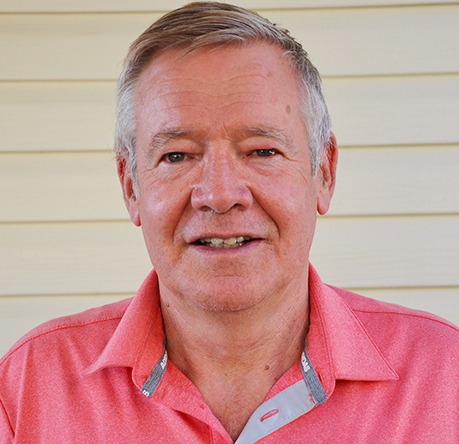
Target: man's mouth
<point x="230" y="242"/>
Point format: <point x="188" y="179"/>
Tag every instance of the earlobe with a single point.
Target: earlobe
<point x="328" y="176"/>
<point x="129" y="194"/>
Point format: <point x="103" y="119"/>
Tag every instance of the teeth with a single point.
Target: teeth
<point x="216" y="242"/>
<point x="231" y="242"/>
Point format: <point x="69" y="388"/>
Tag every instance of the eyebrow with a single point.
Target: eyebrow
<point x="160" y="139"/>
<point x="270" y="133"/>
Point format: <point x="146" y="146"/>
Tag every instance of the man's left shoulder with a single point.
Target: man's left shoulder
<point x="401" y="324"/>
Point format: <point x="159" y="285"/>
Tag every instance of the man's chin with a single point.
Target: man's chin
<point x="219" y="294"/>
<point x="226" y="300"/>
<point x="222" y="305"/>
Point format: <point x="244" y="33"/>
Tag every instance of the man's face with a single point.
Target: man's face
<point x="226" y="197"/>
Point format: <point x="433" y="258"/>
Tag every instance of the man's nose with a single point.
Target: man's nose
<point x="222" y="185"/>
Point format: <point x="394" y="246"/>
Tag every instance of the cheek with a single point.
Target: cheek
<point x="289" y="195"/>
<point x="161" y="204"/>
<point x="291" y="204"/>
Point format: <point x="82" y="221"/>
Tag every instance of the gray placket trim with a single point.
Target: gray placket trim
<point x="286" y="406"/>
<point x="312" y="380"/>
<point x="151" y="384"/>
<point x="281" y="409"/>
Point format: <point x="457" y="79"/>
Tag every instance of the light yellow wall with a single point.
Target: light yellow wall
<point x="391" y="78"/>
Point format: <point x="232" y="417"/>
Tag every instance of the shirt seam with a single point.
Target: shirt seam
<point x="53" y="330"/>
<point x="410" y="315"/>
<point x="2" y="406"/>
<point x="369" y="336"/>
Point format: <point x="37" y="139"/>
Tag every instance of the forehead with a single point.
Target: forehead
<point x="219" y="85"/>
<point x="215" y="67"/>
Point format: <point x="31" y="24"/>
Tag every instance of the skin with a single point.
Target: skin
<point x="223" y="152"/>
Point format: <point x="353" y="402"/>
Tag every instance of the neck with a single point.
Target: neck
<point x="235" y="358"/>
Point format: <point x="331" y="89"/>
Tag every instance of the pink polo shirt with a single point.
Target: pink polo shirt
<point x="371" y="373"/>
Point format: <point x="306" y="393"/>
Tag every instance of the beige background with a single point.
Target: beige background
<point x="391" y="78"/>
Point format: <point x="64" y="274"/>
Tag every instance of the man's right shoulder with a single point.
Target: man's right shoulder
<point x="92" y="326"/>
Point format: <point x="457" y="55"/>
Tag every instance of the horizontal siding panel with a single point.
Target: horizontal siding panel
<point x="413" y="180"/>
<point x="343" y="42"/>
<point x="56" y="116"/>
<point x="65" y="47"/>
<point x="394" y="110"/>
<point x="84" y="186"/>
<point x="443" y="302"/>
<point x="110" y="257"/>
<point x="39" y="116"/>
<point x="19" y="315"/>
<point x="71" y="258"/>
<point x="388" y="251"/>
<point x="60" y="187"/>
<point x="157" y="5"/>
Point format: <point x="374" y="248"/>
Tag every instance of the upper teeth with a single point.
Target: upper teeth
<point x="224" y="243"/>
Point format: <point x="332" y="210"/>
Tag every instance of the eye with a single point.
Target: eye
<point x="174" y="157"/>
<point x="265" y="152"/>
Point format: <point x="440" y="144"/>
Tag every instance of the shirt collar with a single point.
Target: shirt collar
<point x="337" y="343"/>
<point x="339" y="346"/>
<point x="138" y="341"/>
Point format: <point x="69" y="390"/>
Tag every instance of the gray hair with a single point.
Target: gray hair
<point x="211" y="23"/>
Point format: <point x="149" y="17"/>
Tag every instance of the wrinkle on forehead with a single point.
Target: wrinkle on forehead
<point x="183" y="91"/>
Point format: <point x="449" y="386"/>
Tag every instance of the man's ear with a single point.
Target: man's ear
<point x="129" y="193"/>
<point x="327" y="176"/>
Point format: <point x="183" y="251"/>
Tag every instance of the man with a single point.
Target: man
<point x="225" y="156"/>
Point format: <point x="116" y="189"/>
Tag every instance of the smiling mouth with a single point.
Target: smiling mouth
<point x="230" y="242"/>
